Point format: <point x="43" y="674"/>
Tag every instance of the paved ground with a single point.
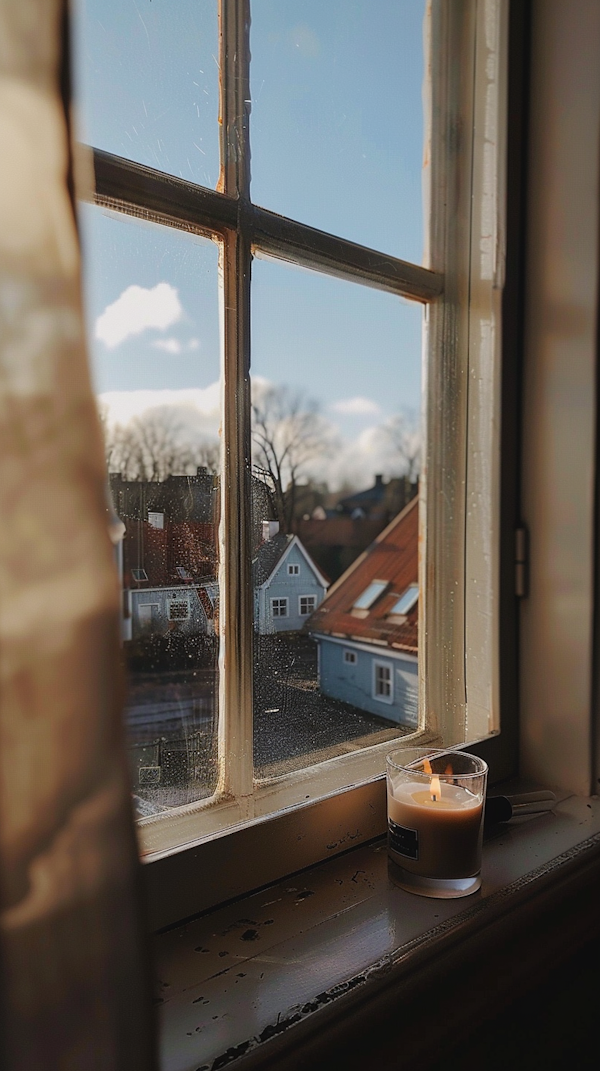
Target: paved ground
<point x="171" y="723"/>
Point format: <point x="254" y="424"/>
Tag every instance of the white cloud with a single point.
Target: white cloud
<point x="194" y="344"/>
<point x="121" y="406"/>
<point x="137" y="309"/>
<point x="169" y="345"/>
<point x="357" y="406"/>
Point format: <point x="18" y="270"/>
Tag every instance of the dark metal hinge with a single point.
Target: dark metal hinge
<point x="521" y="562"/>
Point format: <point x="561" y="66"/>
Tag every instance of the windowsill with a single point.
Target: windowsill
<point x="323" y="951"/>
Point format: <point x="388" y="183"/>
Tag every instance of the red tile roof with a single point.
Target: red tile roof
<point x="392" y="557"/>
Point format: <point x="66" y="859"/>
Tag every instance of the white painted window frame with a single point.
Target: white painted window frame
<point x="306" y="613"/>
<point x="381" y="697"/>
<point x="280" y="599"/>
<point x="350" y="658"/>
<point x="459" y="489"/>
<point x="293" y="569"/>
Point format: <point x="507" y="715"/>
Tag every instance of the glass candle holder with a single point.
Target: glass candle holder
<point x="435" y="820"/>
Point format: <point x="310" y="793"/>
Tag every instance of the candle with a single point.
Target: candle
<point x="435" y="833"/>
<point x="435" y="819"/>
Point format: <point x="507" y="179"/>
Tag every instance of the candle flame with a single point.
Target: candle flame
<point x="449" y="771"/>
<point x="427" y="767"/>
<point x="435" y="788"/>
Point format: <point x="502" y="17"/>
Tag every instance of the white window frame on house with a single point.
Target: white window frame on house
<point x="379" y="668"/>
<point x="303" y="598"/>
<point x="293" y="569"/>
<point x="179" y="602"/>
<point x="460" y="288"/>
<point x="280" y="607"/>
<point x="350" y="657"/>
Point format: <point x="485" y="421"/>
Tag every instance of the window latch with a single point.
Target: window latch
<point x="521" y="562"/>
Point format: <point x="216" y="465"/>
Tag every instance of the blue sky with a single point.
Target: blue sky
<point x="336" y="138"/>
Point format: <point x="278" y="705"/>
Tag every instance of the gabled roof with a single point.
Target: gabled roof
<point x="393" y="557"/>
<point x="272" y="552"/>
<point x="268" y="556"/>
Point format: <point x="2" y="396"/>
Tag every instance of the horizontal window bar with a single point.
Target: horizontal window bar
<point x="122" y="183"/>
<point x="161" y="195"/>
<point x="300" y="244"/>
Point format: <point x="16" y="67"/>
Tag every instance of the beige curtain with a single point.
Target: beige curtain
<point x="74" y="984"/>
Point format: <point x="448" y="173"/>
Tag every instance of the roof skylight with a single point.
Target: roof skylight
<point x="371" y="594"/>
<point x="407" y="600"/>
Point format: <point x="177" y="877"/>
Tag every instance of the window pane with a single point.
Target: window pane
<point x="153" y="330"/>
<point x="147" y="83"/>
<point x="337" y="117"/>
<point x="336" y="402"/>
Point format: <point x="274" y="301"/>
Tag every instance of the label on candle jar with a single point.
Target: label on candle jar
<point x="404" y="841"/>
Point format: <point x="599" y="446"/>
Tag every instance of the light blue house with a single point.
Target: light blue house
<point x="366" y="628"/>
<point x="288" y="586"/>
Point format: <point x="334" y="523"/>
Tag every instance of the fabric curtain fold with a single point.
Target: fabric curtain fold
<point x="75" y="986"/>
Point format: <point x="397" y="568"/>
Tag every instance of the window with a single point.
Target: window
<point x="406" y="601"/>
<point x="178" y="609"/>
<point x="371" y="594"/>
<point x="279" y="607"/>
<point x="293" y="570"/>
<point x="183" y="573"/>
<point x="139" y="575"/>
<point x="383" y="682"/>
<point x="306" y="604"/>
<point x="163" y="215"/>
<point x="350" y="657"/>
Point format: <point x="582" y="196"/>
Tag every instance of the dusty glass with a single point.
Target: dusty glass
<point x="151" y="297"/>
<point x="336" y="384"/>
<point x="147" y="83"/>
<point x="337" y="117"/>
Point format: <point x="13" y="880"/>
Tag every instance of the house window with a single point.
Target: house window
<point x="178" y="609"/>
<point x="293" y="570"/>
<point x="383" y="682"/>
<point x="139" y="575"/>
<point x="279" y="607"/>
<point x="178" y="237"/>
<point x="350" y="657"/>
<point x="306" y="604"/>
<point x="407" y="600"/>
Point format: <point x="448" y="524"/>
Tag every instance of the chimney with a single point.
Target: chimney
<point x="378" y="480"/>
<point x="269" y="530"/>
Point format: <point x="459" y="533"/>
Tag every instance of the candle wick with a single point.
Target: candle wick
<point x="434" y="798"/>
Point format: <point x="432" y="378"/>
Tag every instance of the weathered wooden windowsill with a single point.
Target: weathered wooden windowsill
<point x="334" y="959"/>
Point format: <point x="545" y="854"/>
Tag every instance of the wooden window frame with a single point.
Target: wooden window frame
<point x="460" y="288"/>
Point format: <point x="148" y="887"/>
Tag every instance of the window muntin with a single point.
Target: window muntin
<point x="451" y="221"/>
<point x="371" y="594"/>
<point x="293" y="570"/>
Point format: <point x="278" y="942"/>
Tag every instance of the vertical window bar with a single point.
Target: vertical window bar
<point x="235" y="723"/>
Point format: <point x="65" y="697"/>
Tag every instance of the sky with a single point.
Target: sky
<point x="336" y="142"/>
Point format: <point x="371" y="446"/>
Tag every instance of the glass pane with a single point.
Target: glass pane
<point x="147" y="83"/>
<point x="153" y="329"/>
<point x="336" y="383"/>
<point x="337" y="117"/>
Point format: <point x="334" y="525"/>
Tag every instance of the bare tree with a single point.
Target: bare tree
<point x="156" y="445"/>
<point x="403" y="434"/>
<point x="288" y="433"/>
